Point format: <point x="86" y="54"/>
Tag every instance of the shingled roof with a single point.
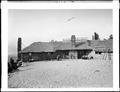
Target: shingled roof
<point x="78" y="46"/>
<point x="103" y="45"/>
<point x="39" y="47"/>
<point x="53" y="46"/>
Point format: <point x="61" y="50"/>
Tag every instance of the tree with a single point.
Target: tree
<point x="111" y="36"/>
<point x="96" y="36"/>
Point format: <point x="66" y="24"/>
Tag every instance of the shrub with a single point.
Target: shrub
<point x="12" y="65"/>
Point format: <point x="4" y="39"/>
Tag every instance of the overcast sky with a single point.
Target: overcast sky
<point x="46" y="25"/>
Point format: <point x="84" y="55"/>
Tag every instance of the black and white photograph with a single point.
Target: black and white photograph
<point x="60" y="45"/>
<point x="60" y="48"/>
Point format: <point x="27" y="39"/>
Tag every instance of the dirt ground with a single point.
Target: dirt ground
<point x="66" y="73"/>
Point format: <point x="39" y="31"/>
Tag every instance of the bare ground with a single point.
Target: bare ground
<point x="66" y="73"/>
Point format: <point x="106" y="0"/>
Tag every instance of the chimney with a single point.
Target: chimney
<point x="93" y="37"/>
<point x="73" y="40"/>
<point x="89" y="42"/>
<point x="19" y="48"/>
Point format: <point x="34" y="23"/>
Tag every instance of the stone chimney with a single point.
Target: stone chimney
<point x="89" y="42"/>
<point x="73" y="40"/>
<point x="19" y="48"/>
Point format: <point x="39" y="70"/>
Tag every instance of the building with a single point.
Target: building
<point x="72" y="49"/>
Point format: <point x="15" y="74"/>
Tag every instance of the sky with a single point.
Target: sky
<point x="56" y="24"/>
